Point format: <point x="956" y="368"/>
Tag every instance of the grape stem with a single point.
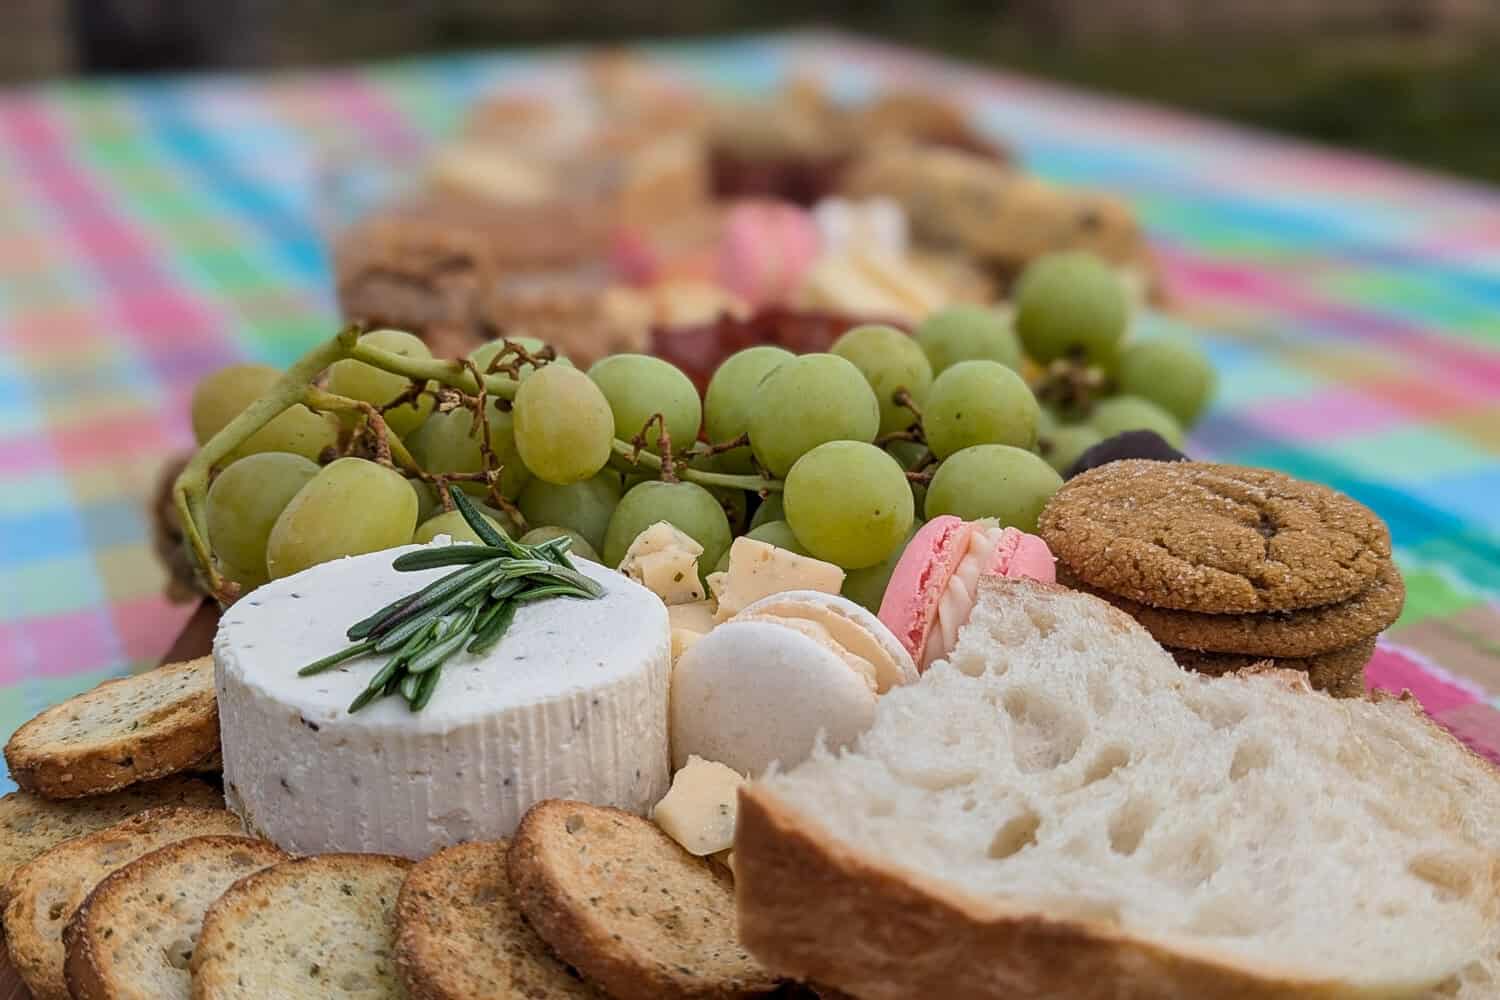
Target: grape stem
<point x="628" y="452"/>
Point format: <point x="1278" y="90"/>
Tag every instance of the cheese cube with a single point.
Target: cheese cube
<point x="759" y="570"/>
<point x="690" y="622"/>
<point x="665" y="561"/>
<point x="699" y="811"/>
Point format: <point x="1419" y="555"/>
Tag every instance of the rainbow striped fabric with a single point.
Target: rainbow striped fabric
<point x="157" y="230"/>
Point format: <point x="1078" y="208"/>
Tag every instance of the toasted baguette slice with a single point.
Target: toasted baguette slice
<point x="124" y="731"/>
<point x="45" y="892"/>
<point x="30" y="824"/>
<point x="318" y="928"/>
<point x="133" y="937"/>
<point x="460" y="935"/>
<point x="1062" y="811"/>
<point x="625" y="905"/>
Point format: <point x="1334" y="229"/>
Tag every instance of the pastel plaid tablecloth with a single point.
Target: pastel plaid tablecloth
<point x="155" y="231"/>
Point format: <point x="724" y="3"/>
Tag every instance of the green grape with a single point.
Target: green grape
<point x="638" y="386"/>
<point x="244" y="502"/>
<point x="221" y="396"/>
<point x="350" y="507"/>
<point x="427" y="501"/>
<point x="563" y="424"/>
<point x="1131" y="413"/>
<point x="1172" y="372"/>
<point x="581" y="547"/>
<point x="733" y="391"/>
<point x="807" y="401"/>
<point x="377" y="387"/>
<point x="485" y="353"/>
<point x="770" y="509"/>
<point x="968" y="333"/>
<point x="449" y="443"/>
<point x="225" y="394"/>
<point x="779" y="534"/>
<point x="583" y="507"/>
<point x="993" y="480"/>
<point x="979" y="402"/>
<point x="1067" y="443"/>
<point x="848" y="503"/>
<point x="687" y="506"/>
<point x="731" y="397"/>
<point x="452" y="524"/>
<point x="890" y="360"/>
<point x="1068" y="304"/>
<point x="867" y="586"/>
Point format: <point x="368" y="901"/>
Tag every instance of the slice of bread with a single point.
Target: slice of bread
<point x="318" y="928"/>
<point x="625" y="905"/>
<point x="1062" y="811"/>
<point x="124" y="731"/>
<point x="459" y="933"/>
<point x="30" y="824"/>
<point x="133" y="937"/>
<point x="45" y="892"/>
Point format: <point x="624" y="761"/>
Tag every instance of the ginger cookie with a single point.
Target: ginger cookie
<point x="1277" y="634"/>
<point x="1220" y="539"/>
<point x="1339" y="673"/>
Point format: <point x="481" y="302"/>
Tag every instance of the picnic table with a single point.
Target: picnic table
<point x="156" y="230"/>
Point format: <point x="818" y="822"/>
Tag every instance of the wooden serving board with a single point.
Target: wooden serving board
<point x="196" y="639"/>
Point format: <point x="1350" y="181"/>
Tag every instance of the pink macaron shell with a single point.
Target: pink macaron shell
<point x="921" y="574"/>
<point x="1021" y="555"/>
<point x="766" y="249"/>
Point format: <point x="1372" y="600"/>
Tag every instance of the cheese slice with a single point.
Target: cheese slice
<point x="571" y="704"/>
<point x="665" y="561"/>
<point x="759" y="570"/>
<point x="700" y="810"/>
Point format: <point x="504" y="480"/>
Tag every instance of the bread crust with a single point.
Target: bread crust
<point x="581" y="935"/>
<point x="88" y="970"/>
<point x="178" y="736"/>
<point x="812" y="908"/>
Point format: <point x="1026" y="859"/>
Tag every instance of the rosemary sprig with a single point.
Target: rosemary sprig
<point x="469" y="608"/>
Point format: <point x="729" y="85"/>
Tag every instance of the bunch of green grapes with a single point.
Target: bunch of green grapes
<point x="838" y="455"/>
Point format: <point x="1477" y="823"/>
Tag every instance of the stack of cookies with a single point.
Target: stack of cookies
<point x="1230" y="566"/>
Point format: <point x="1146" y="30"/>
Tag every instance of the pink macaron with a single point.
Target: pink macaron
<point x="932" y="591"/>
<point x="765" y="250"/>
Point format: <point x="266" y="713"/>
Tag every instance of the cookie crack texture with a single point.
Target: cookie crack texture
<point x="1219" y="539"/>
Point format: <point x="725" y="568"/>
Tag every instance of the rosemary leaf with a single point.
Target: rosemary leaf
<point x="446" y="555"/>
<point x="566" y="574"/>
<point x="552" y="590"/>
<point x="366" y="626"/>
<point x="486" y="531"/>
<point x="506" y="588"/>
<point x="410" y="684"/>
<point x="492" y="628"/>
<point x="524" y="567"/>
<point x="334" y="659"/>
<point x="424" y="691"/>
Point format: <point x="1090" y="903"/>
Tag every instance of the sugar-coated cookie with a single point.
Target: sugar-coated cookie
<point x="1339" y="673"/>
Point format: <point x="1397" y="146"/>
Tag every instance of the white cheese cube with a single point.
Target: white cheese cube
<point x="699" y="811"/>
<point x="759" y="570"/>
<point x="665" y="561"/>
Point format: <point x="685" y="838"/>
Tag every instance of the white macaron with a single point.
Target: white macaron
<point x="761" y="687"/>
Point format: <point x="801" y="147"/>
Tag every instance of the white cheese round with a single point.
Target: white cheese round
<point x="572" y="703"/>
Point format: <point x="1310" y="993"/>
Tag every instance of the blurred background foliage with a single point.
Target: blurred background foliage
<point x="1417" y="80"/>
